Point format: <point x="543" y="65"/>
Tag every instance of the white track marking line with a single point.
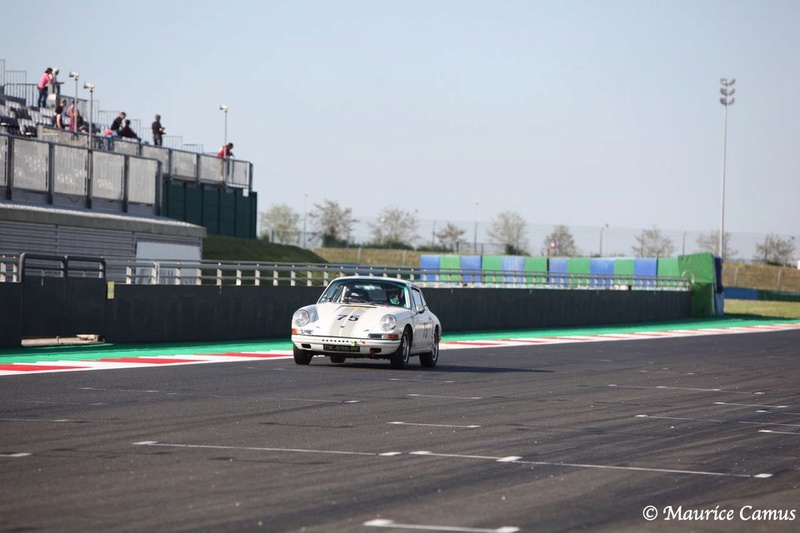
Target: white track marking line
<point x="382" y="522"/>
<point x="473" y="426"/>
<point x="446" y="397"/>
<point x="52" y="421"/>
<point x="692" y="389"/>
<point x="753" y="405"/>
<point x="16" y="455"/>
<point x="250" y="448"/>
<point x="602" y="467"/>
<point x="777" y="432"/>
<point x="715" y="421"/>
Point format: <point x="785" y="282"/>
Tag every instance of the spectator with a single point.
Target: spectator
<point x="226" y="151"/>
<point x="117" y="124"/>
<point x="58" y="118"/>
<point x="158" y="132"/>
<point x="79" y="123"/>
<point x="127" y="132"/>
<point x="71" y="112"/>
<point x="43" y="84"/>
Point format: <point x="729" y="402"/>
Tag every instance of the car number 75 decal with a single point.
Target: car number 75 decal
<point x="351" y="318"/>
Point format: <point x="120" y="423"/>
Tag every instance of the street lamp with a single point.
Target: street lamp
<point x="726" y="100"/>
<point x="475" y="235"/>
<point x="305" y="217"/>
<point x="224" y="109"/>
<point x="73" y="74"/>
<point x="90" y="86"/>
<point x="602" y="229"/>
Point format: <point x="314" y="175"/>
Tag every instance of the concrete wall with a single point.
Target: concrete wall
<point x="165" y="313"/>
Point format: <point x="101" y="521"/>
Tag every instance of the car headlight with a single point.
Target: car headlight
<point x="300" y="318"/>
<point x="388" y="322"/>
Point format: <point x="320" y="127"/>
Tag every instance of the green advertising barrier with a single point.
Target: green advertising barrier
<point x="494" y="264"/>
<point x="536" y="265"/>
<point x="699" y="268"/>
<point x="580" y="265"/>
<point x="669" y="267"/>
<point x="453" y="263"/>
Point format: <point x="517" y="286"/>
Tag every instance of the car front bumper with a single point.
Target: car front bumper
<point x="345" y="346"/>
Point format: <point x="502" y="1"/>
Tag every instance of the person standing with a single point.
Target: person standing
<point x="43" y="83"/>
<point x="158" y="132"/>
<point x="116" y="125"/>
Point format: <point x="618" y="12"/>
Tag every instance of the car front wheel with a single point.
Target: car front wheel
<point x="399" y="359"/>
<point x="429" y="360"/>
<point x="302" y="357"/>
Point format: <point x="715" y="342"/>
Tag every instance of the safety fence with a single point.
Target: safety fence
<point x="32" y="169"/>
<point x="164" y="272"/>
<point x="175" y="164"/>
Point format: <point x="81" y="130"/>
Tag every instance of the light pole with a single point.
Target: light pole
<point x="224" y="109"/>
<point x="602" y="229"/>
<point x="90" y="86"/>
<point x="475" y="234"/>
<point x="726" y="100"/>
<point x="74" y="122"/>
<point x="305" y="217"/>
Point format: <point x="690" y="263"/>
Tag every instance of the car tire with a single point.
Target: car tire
<point x="338" y="359"/>
<point x="399" y="359"/>
<point x="429" y="360"/>
<point x="302" y="357"/>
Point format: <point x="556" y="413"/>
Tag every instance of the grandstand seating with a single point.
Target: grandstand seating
<point x="192" y="186"/>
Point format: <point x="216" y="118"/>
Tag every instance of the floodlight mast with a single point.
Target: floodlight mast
<point x="727" y="99"/>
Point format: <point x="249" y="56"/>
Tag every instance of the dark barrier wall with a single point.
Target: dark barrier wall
<point x="10" y="314"/>
<point x="167" y="313"/>
<point x="497" y="309"/>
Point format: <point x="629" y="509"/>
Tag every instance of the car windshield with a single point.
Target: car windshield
<point x="366" y="292"/>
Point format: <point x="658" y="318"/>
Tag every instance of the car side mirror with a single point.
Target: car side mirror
<point x="420" y="309"/>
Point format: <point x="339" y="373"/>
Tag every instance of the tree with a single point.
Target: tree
<point x="450" y="236"/>
<point x="279" y="224"/>
<point x="560" y="242"/>
<point x="774" y="250"/>
<point x="333" y="222"/>
<point x="651" y="243"/>
<point x="395" y="227"/>
<point x="710" y="243"/>
<point x="509" y="229"/>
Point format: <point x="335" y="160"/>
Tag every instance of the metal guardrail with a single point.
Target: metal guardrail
<point x="164" y="272"/>
<point x="312" y="274"/>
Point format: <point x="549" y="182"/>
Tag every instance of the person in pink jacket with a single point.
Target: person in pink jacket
<point x="44" y="82"/>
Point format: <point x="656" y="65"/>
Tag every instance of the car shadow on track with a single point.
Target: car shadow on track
<point x="440" y="368"/>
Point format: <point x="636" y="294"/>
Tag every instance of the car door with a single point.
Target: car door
<point x="422" y="321"/>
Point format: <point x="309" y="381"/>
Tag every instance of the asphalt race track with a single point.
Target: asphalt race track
<point x="697" y="433"/>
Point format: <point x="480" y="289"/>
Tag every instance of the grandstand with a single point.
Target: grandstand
<point x="75" y="193"/>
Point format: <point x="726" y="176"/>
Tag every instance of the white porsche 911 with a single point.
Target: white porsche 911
<point x="367" y="317"/>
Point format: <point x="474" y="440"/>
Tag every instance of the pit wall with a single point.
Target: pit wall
<point x="168" y="313"/>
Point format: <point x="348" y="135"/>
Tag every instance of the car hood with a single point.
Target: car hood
<point x="341" y="320"/>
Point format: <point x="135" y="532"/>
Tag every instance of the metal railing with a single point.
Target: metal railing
<point x="176" y="164"/>
<point x="173" y="272"/>
<point x="49" y="168"/>
<point x="312" y="274"/>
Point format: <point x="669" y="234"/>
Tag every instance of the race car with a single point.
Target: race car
<point x="367" y="317"/>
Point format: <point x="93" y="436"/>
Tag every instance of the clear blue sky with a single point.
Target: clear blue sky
<point x="567" y="112"/>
